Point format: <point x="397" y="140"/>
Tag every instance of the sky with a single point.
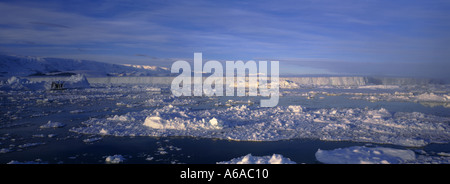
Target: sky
<point x="334" y="37"/>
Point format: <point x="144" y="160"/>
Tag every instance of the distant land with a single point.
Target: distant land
<point x="42" y="66"/>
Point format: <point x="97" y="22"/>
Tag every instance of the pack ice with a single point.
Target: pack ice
<point x="365" y="155"/>
<point x="243" y="123"/>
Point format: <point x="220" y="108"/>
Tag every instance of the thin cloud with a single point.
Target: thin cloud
<point x="49" y="24"/>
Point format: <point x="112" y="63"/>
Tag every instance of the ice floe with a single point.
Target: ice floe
<point x="365" y="155"/>
<point x="380" y="155"/>
<point x="249" y="159"/>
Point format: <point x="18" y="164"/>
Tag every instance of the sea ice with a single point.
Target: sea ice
<point x="242" y="123"/>
<point x="249" y="159"/>
<point x="17" y="83"/>
<point x="365" y="155"/>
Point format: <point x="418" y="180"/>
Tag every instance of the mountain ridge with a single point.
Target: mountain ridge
<point x="47" y="66"/>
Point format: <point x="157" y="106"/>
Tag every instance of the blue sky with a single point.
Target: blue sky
<point x="364" y="37"/>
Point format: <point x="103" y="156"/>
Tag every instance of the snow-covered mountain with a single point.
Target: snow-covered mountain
<point x="149" y="67"/>
<point x="38" y="66"/>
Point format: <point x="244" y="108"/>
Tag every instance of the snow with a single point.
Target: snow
<point x="51" y="124"/>
<point x="115" y="159"/>
<point x="365" y="155"/>
<point x="249" y="159"/>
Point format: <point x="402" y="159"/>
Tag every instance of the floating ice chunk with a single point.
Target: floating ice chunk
<point x="120" y="104"/>
<point x="76" y="111"/>
<point x="444" y="154"/>
<point x="27" y="145"/>
<point x="157" y="122"/>
<point x="365" y="155"/>
<point x="51" y="124"/>
<point x="115" y="159"/>
<point x="249" y="159"/>
<point x="91" y="140"/>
